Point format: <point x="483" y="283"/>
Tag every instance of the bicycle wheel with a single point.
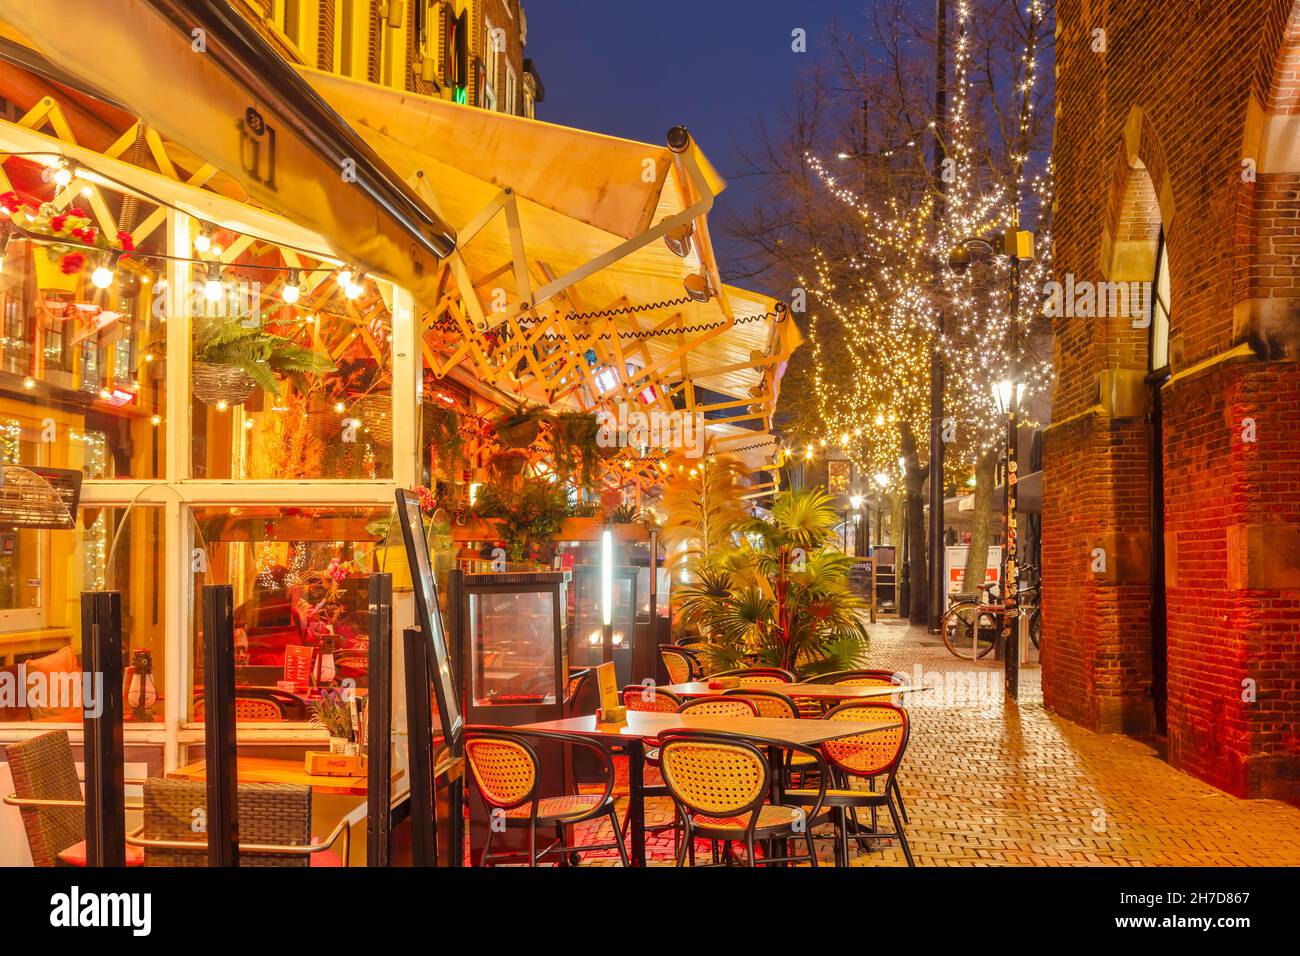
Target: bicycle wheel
<point x="1036" y="626"/>
<point x="968" y="632"/>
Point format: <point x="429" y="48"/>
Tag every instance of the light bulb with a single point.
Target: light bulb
<point x="102" y="277"/>
<point x="62" y="177"/>
<point x="202" y="242"/>
<point x="352" y="290"/>
<point x="212" y="290"/>
<point x="290" y="294"/>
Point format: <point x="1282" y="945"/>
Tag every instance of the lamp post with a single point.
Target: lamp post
<point x="607" y="595"/>
<point x="1017" y="246"/>
<point x="855" y="501"/>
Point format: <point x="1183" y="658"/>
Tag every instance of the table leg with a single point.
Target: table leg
<point x="776" y="791"/>
<point x="636" y="799"/>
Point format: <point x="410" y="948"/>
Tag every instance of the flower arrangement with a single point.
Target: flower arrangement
<point x="333" y="713"/>
<point x="71" y="228"/>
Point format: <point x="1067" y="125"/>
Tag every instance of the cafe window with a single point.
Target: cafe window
<point x="300" y="578"/>
<point x="42" y="575"/>
<point x="289" y="391"/>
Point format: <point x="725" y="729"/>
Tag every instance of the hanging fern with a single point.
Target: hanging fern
<point x="257" y="352"/>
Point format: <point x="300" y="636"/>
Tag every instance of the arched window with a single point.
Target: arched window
<point x="1159" y="330"/>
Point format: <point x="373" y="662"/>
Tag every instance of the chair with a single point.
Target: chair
<point x="579" y="680"/>
<point x="48" y="795"/>
<point x="719" y="707"/>
<point x="760" y="675"/>
<point x="680" y="664"/>
<point x="770" y="703"/>
<point x="650" y="699"/>
<point x="251" y="705"/>
<point x="274" y="826"/>
<point x="507" y="774"/>
<point x="863" y="678"/>
<point x="690" y="640"/>
<point x="720" y="785"/>
<point x="864" y="757"/>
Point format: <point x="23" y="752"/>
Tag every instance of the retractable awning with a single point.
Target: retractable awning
<point x="561" y="238"/>
<point x="200" y="74"/>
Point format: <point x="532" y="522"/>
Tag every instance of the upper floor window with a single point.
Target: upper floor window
<point x="494" y="43"/>
<point x="512" y="91"/>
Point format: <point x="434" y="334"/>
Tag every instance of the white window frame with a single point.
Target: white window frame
<point x="512" y="91"/>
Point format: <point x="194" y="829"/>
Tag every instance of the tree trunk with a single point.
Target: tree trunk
<point x="914" y="482"/>
<point x="977" y="558"/>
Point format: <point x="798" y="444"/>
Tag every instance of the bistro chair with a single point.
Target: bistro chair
<point x="719" y="707"/>
<point x="650" y="699"/>
<point x="48" y="795"/>
<point x="252" y="705"/>
<point x="579" y="681"/>
<point x="274" y="826"/>
<point x="507" y="772"/>
<point x="865" y="757"/>
<point x="863" y="678"/>
<point x="690" y="640"/>
<point x="770" y="703"/>
<point x="680" y="664"/>
<point x="760" y="675"/>
<point x="720" y="784"/>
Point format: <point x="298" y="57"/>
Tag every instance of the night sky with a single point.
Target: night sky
<point x="635" y="69"/>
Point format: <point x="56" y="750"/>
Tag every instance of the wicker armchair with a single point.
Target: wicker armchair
<point x="863" y="678"/>
<point x="680" y="664"/>
<point x="48" y="795"/>
<point x="770" y="703"/>
<point x="579" y="681"/>
<point x="760" y="675"/>
<point x="254" y="705"/>
<point x="274" y="826"/>
<point x="507" y="774"/>
<point x="720" y="784"/>
<point x="651" y="699"/>
<point x="866" y="757"/>
<point x="719" y="707"/>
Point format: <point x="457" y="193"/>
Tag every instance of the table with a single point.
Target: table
<point x="700" y="688"/>
<point x="283" y="770"/>
<point x="640" y="726"/>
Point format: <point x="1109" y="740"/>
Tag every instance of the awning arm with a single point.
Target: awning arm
<point x="688" y="215"/>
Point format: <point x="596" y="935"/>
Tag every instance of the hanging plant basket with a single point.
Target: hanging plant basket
<point x="221" y="383"/>
<point x="519" y="434"/>
<point x="50" y="276"/>
<point x="509" y="464"/>
<point x="376" y="414"/>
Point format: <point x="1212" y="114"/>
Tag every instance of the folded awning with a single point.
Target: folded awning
<point x="200" y="75"/>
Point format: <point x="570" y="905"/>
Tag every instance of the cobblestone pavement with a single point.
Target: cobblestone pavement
<point x="989" y="783"/>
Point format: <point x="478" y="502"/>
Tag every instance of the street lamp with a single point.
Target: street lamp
<point x="855" y="501"/>
<point x="1017" y="246"/>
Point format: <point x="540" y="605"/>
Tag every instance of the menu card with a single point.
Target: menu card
<point x="297" y="664"/>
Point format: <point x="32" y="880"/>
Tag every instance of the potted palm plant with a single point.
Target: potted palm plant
<point x="782" y="596"/>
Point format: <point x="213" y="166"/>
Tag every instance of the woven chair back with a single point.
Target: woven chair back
<point x="713" y="777"/>
<point x="269" y="813"/>
<point x="867" y="755"/>
<point x="505" y="770"/>
<point x="43" y="769"/>
<point x="719" y="707"/>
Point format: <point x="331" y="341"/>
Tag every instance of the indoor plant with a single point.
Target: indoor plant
<point x="519" y="426"/>
<point x="334" y="713"/>
<point x="231" y="359"/>
<point x="574" y="447"/>
<point x="527" y="513"/>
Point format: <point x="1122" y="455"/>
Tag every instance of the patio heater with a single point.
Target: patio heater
<point x="855" y="501"/>
<point x="607" y="595"/>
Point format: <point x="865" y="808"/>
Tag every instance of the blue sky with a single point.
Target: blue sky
<point x="635" y="69"/>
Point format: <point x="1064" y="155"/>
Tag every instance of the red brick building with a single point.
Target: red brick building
<point x="1171" y="515"/>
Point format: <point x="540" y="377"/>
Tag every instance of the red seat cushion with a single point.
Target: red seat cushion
<point x="75" y="855"/>
<point x="327" y="858"/>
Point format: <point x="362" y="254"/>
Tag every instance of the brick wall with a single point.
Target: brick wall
<point x="1153" y="132"/>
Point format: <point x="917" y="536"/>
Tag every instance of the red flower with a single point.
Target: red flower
<point x="77" y="211"/>
<point x="88" y="235"/>
<point x="57" y="222"/>
<point x="72" y="263"/>
<point x="11" y="201"/>
<point x="124" y="239"/>
<point x="428" y="500"/>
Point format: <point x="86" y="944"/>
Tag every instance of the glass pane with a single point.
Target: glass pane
<point x="300" y="578"/>
<point x="43" y="572"/>
<point x="288" y="390"/>
<point x="81" y="376"/>
<point x="588" y="619"/>
<point x="512" y="648"/>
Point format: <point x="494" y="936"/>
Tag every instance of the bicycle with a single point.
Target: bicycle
<point x="972" y="622"/>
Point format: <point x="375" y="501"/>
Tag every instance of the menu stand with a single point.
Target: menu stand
<point x="379" y="721"/>
<point x="219" y="724"/>
<point x="102" y="748"/>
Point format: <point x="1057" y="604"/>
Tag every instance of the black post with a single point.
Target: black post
<point x="102" y="705"/>
<point x="1011" y="616"/>
<point x="379" y="720"/>
<point x="219" y="724"/>
<point x="935" y="578"/>
<point x="419" y="733"/>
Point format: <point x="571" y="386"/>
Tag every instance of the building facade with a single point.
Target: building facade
<point x="469" y="51"/>
<point x="1171" y="515"/>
